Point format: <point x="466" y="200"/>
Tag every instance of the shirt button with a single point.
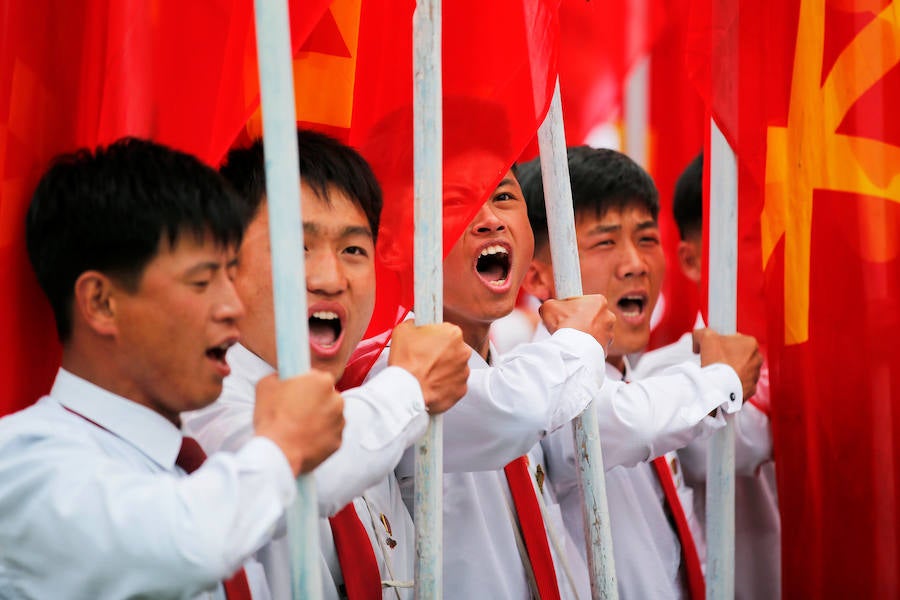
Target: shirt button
<point x="732" y="397"/>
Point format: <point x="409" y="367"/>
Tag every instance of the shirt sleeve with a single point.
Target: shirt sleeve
<point x="508" y="408"/>
<point x="645" y="419"/>
<point x="186" y="533"/>
<point x="382" y="417"/>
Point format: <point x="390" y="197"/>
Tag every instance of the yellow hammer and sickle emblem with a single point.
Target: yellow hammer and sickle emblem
<point x="809" y="154"/>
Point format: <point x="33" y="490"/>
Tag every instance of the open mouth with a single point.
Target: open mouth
<point x="217" y="353"/>
<point x="325" y="328"/>
<point x="632" y="306"/>
<point x="492" y="265"/>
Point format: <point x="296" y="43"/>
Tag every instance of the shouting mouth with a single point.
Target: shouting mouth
<point x="217" y="353"/>
<point x="633" y="307"/>
<point x="325" y="331"/>
<point x="493" y="265"/>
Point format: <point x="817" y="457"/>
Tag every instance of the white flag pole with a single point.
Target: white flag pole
<point x="428" y="284"/>
<point x="567" y="277"/>
<point x="273" y="41"/>
<point x="723" y="234"/>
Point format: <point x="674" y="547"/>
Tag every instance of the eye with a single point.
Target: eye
<point x="649" y="240"/>
<point x="356" y="251"/>
<point x="200" y="284"/>
<point x="606" y="243"/>
<point x="503" y="196"/>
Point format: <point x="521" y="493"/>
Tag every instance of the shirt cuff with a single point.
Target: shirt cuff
<point x="725" y="381"/>
<point x="589" y="349"/>
<point x="264" y="454"/>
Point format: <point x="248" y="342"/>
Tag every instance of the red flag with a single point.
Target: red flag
<point x="676" y="126"/>
<point x="600" y="43"/>
<point x="499" y="68"/>
<point x="86" y="73"/>
<point x="802" y="91"/>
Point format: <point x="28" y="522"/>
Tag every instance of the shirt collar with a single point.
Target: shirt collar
<point x="133" y="423"/>
<point x="616" y="375"/>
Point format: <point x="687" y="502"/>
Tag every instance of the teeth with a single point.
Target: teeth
<point x="498" y="282"/>
<point x="494" y="250"/>
<point x="325" y="315"/>
<point x="224" y="346"/>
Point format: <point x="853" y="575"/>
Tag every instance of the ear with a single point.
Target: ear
<point x="94" y="302"/>
<point x="539" y="280"/>
<point x="690" y="260"/>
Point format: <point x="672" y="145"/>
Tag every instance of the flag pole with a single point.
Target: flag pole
<point x="276" y="82"/>
<point x="567" y="277"/>
<point x="428" y="281"/>
<point x="723" y="234"/>
<point x="637" y="112"/>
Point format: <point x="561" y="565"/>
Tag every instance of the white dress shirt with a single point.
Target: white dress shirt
<point x="100" y="511"/>
<point x="757" y="521"/>
<point x="638" y="422"/>
<point x="532" y="390"/>
<point x="382" y="418"/>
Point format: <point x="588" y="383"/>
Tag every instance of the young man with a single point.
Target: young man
<point x="616" y="207"/>
<point x="511" y="403"/>
<point x="341" y="204"/>
<point x="134" y="246"/>
<point x="757" y="523"/>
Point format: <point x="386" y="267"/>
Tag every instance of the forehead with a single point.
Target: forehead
<point x="629" y="214"/>
<point x="334" y="212"/>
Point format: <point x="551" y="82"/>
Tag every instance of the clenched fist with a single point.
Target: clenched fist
<point x="303" y="415"/>
<point x="437" y="356"/>
<point x="589" y="314"/>
<point x="740" y="352"/>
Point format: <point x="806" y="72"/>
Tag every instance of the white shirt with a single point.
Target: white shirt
<point x="530" y="391"/>
<point x="382" y="418"/>
<point x="757" y="521"/>
<point x="97" y="512"/>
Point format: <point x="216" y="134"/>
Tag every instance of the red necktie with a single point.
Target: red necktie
<point x="190" y="457"/>
<point x="696" y="584"/>
<point x="362" y="579"/>
<point x="533" y="530"/>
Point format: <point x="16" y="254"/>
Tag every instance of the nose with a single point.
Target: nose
<point x="486" y="220"/>
<point x="631" y="262"/>
<point x="230" y="308"/>
<point x="324" y="273"/>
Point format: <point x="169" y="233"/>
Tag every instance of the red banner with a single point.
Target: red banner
<point x="805" y="92"/>
<point x="76" y="74"/>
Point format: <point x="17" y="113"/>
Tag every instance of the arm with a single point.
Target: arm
<point x="509" y="407"/>
<point x="382" y="418"/>
<point x="82" y="520"/>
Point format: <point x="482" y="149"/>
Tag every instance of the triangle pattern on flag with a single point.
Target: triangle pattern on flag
<point x="326" y="38"/>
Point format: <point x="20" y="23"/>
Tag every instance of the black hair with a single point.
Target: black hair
<point x="109" y="209"/>
<point x="687" y="205"/>
<point x="324" y="161"/>
<point x="602" y="179"/>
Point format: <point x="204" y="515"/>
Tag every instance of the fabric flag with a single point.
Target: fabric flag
<point x="172" y="71"/>
<point x="676" y="127"/>
<point x="499" y="69"/>
<point x="600" y="43"/>
<point x="804" y="91"/>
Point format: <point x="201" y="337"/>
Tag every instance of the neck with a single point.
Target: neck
<point x="475" y="334"/>
<point x="103" y="373"/>
<point x="618" y="362"/>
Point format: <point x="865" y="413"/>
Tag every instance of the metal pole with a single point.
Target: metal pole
<point x="428" y="284"/>
<point x="723" y="234"/>
<point x="273" y="42"/>
<point x="567" y="277"/>
<point x="637" y="112"/>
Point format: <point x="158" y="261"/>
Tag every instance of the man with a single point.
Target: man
<point x="757" y="523"/>
<point x="341" y="205"/>
<point x="619" y="250"/>
<point x="134" y="246"/>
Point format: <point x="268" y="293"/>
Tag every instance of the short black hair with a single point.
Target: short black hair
<point x="109" y="209"/>
<point x="602" y="179"/>
<point x="687" y="205"/>
<point x="324" y="161"/>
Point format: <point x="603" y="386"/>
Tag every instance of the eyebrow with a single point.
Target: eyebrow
<point x="506" y="181"/>
<point x="206" y="266"/>
<point x="348" y="231"/>
<point x="612" y="228"/>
